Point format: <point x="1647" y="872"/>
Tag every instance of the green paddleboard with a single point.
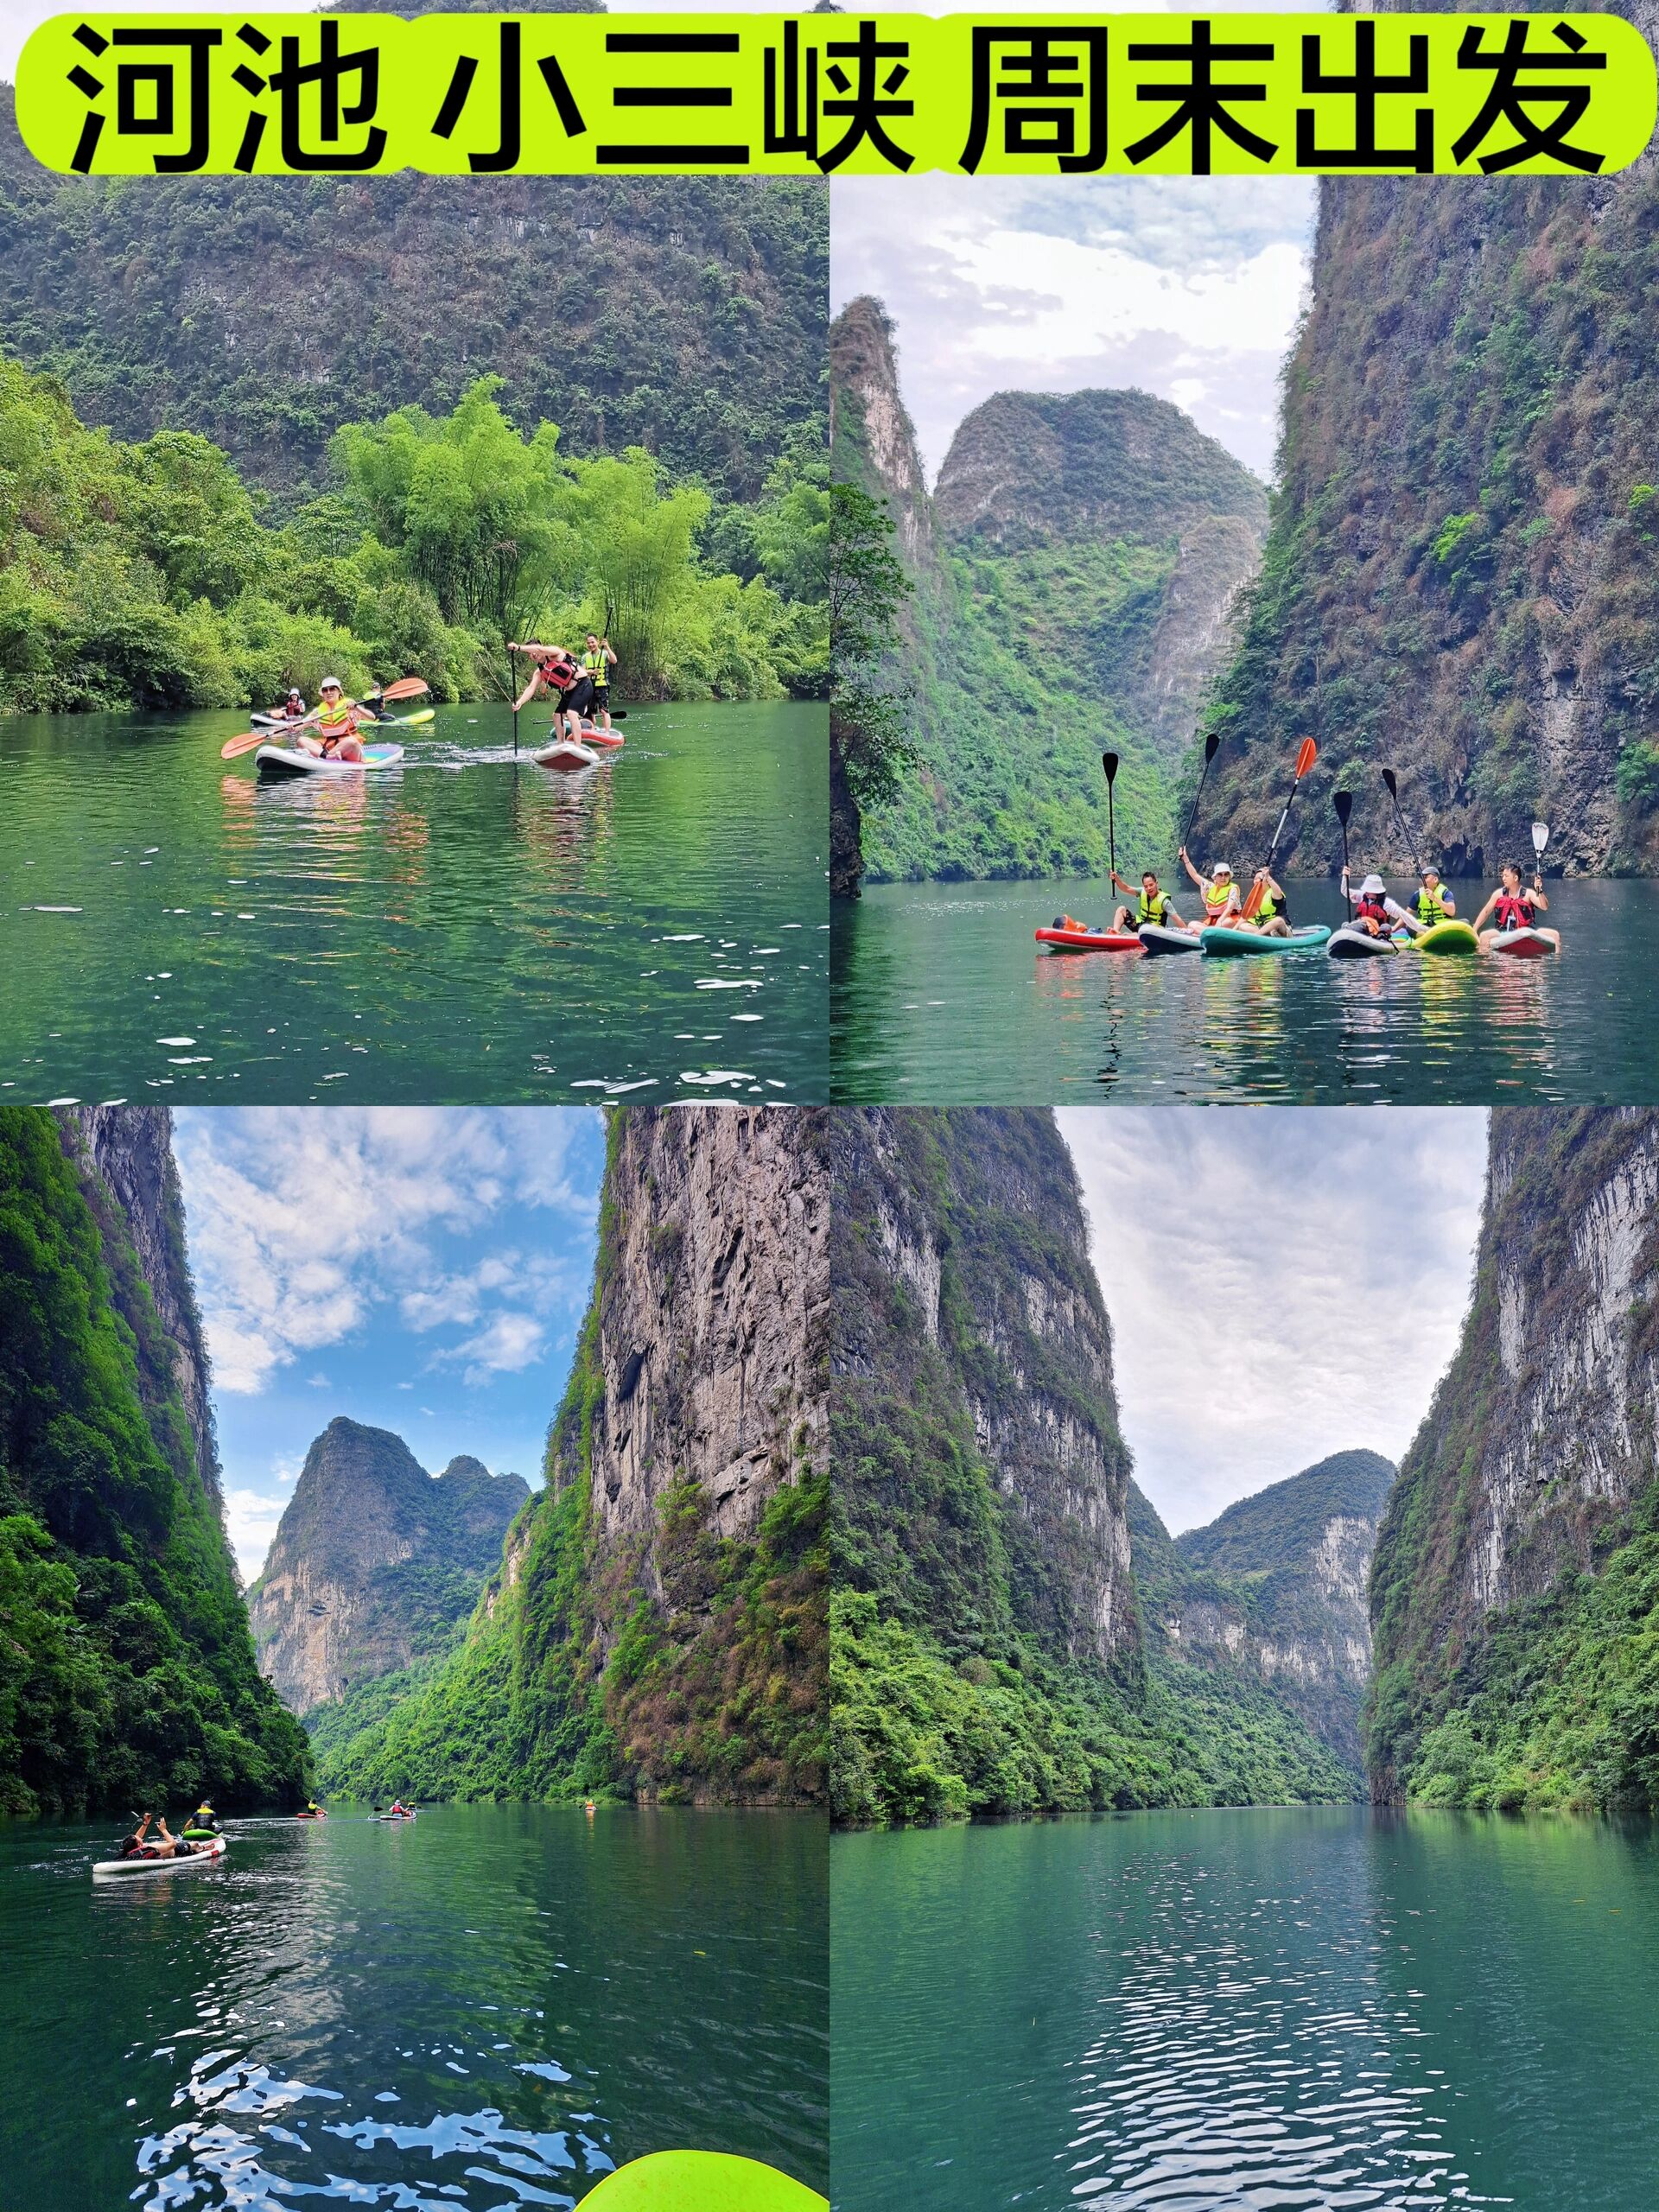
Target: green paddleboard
<point x="700" y="2181"/>
<point x="1448" y="937"/>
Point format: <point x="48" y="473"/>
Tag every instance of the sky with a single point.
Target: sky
<point x="1282" y="1282"/>
<point x="423" y="1270"/>
<point x="1189" y="288"/>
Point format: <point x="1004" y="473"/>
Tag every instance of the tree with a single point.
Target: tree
<point x="868" y="717"/>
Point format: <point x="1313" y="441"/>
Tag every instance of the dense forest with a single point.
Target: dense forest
<point x="1461" y="579"/>
<point x="1070" y="576"/>
<point x="1516" y="1593"/>
<point x="984" y="1523"/>
<point x="674" y="1663"/>
<point x="127" y="1673"/>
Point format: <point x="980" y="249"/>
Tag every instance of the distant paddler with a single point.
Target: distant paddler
<point x="1219" y="893"/>
<point x="292" y="709"/>
<point x="1151" y="904"/>
<point x="1513" y="906"/>
<point x="597" y="662"/>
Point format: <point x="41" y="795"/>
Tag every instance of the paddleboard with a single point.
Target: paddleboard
<point x="700" y="2181"/>
<point x="1522" y="944"/>
<point x="127" y="1868"/>
<point x="1226" y="943"/>
<point x="1156" y="938"/>
<point x="274" y="722"/>
<point x="610" y="739"/>
<point x="287" y="760"/>
<point x="407" y="722"/>
<point x="1453" y="935"/>
<point x="1072" y="939"/>
<point x="1359" y="944"/>
<point x="564" y="753"/>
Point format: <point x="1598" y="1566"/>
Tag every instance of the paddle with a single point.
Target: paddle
<point x="1344" y="803"/>
<point x="1307" y="754"/>
<point x="1212" y="747"/>
<point x="1109" y="762"/>
<point x="406" y="687"/>
<point x="1405" y="827"/>
<point x="1539" y="839"/>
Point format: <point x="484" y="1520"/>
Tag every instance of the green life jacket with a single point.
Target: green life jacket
<point x="597" y="666"/>
<point x="1218" y="896"/>
<point x="1268" y="908"/>
<point x="1431" y="905"/>
<point x="1153" y="909"/>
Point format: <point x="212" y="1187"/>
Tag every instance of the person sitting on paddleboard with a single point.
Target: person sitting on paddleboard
<point x="292" y="709"/>
<point x="1272" y="915"/>
<point x="559" y="672"/>
<point x="1513" y="906"/>
<point x="1434" y="902"/>
<point x="1374" y="911"/>
<point x="203" y="1822"/>
<point x="334" y="719"/>
<point x="1151" y="905"/>
<point x="1219" y="892"/>
<point x="597" y="662"/>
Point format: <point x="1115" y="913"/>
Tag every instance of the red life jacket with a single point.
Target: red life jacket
<point x="560" y="670"/>
<point x="1513" y="910"/>
<point x="1370" y="910"/>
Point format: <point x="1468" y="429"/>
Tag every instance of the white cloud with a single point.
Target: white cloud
<point x="1282" y="1283"/>
<point x="508" y="1344"/>
<point x="250" y="1519"/>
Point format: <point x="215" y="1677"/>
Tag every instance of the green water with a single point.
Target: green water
<point x="487" y="2008"/>
<point x="459" y="929"/>
<point x="1227" y="2012"/>
<point x="940" y="994"/>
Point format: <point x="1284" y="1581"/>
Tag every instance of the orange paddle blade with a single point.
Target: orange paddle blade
<point x="1257" y="892"/>
<point x="236" y="746"/>
<point x="407" y="687"/>
<point x="1307" y="753"/>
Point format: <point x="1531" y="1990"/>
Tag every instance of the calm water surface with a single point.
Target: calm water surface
<point x="457" y="929"/>
<point x="487" y="2008"/>
<point x="1230" y="2011"/>
<point x="940" y="994"/>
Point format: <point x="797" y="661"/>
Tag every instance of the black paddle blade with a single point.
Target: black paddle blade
<point x="1344" y="803"/>
<point x="1394" y="788"/>
<point x="1109" y="762"/>
<point x="1212" y="747"/>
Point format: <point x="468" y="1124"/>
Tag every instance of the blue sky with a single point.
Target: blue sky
<point x="423" y="1270"/>
<point x="1283" y="1282"/>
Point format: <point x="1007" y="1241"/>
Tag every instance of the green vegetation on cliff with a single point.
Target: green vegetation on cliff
<point x="1278" y="1526"/>
<point x="959" y="1680"/>
<point x="127" y="1675"/>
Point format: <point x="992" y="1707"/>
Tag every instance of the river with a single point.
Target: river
<point x="1224" y="2011"/>
<point x="459" y="929"/>
<point x="485" y="2008"/>
<point x="940" y="994"/>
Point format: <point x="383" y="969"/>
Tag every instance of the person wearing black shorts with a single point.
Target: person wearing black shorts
<point x="597" y="661"/>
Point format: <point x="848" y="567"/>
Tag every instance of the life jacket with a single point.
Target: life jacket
<point x="1219" y="897"/>
<point x="1268" y="908"/>
<point x="1371" y="910"/>
<point x="1513" y="910"/>
<point x="335" y="723"/>
<point x="560" y="670"/>
<point x="1153" y="909"/>
<point x="595" y="665"/>
<point x="1431" y="905"/>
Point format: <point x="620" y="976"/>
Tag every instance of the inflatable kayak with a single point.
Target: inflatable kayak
<point x="126" y="1867"/>
<point x="1156" y="937"/>
<point x="1224" y="944"/>
<point x="286" y="760"/>
<point x="702" y="2181"/>
<point x="1359" y="944"/>
<point x="1522" y="944"/>
<point x="565" y="753"/>
<point x="1067" y="936"/>
<point x="1447" y="937"/>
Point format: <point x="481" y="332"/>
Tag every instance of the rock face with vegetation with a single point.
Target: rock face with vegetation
<point x="1277" y="1588"/>
<point x="655" y="1624"/>
<point x="127" y="1671"/>
<point x="1461" y="579"/>
<point x="988" y="1646"/>
<point x="1515" y="1598"/>
<point x="374" y="1563"/>
<point x="1073" y="571"/>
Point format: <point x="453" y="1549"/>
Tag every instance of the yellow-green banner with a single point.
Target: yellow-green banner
<point x="602" y="95"/>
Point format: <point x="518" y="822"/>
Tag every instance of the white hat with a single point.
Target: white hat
<point x="1220" y="867"/>
<point x="331" y="684"/>
<point x="1373" y="887"/>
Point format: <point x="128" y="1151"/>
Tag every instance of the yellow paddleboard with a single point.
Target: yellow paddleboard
<point x="700" y="2181"/>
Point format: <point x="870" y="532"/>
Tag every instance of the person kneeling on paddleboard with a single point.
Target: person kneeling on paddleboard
<point x="1513" y="906"/>
<point x="1434" y="902"/>
<point x="1219" y="892"/>
<point x="334" y="721"/>
<point x="1151" y="905"/>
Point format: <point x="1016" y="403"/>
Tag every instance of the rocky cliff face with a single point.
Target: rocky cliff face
<point x="655" y="1623"/>
<point x="1278" y="1587"/>
<point x="128" y="1150"/>
<point x="374" y="1563"/>
<point x="868" y="419"/>
<point x="1534" y="1464"/>
<point x="1463" y="555"/>
<point x="971" y="1333"/>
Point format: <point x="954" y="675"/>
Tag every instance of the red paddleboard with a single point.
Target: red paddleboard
<point x="1082" y="940"/>
<point x="1522" y="944"/>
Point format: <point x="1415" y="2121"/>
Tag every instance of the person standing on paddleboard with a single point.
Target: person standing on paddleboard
<point x="1219" y="893"/>
<point x="597" y="662"/>
<point x="1151" y="905"/>
<point x="561" y="674"/>
<point x="1514" y="906"/>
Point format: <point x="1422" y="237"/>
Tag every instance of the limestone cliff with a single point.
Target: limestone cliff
<point x="1074" y="574"/>
<point x="1461" y="577"/>
<point x="128" y="1151"/>
<point x="655" y="1623"/>
<point x="1277" y="1587"/>
<point x="1510" y="1597"/>
<point x="374" y="1563"/>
